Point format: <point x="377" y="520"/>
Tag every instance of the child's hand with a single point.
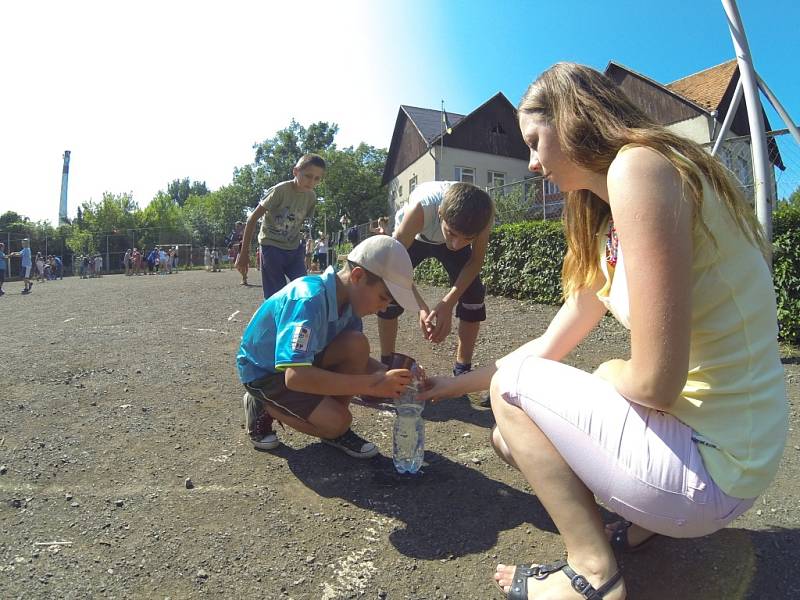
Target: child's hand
<point x="438" y="388"/>
<point x="390" y="384"/>
<point x="425" y="327"/>
<point x="439" y="321"/>
<point x="242" y="263"/>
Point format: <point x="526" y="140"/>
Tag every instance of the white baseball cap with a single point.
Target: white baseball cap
<point x="387" y="258"/>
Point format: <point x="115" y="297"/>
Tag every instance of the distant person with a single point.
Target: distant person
<point x="284" y="207"/>
<point x="2" y="266"/>
<point x="308" y="241"/>
<point x="381" y="226"/>
<point x="451" y="222"/>
<point x="321" y="252"/>
<point x="207" y="258"/>
<point x="27" y="265"/>
<point x="126" y="261"/>
<point x="303" y="355"/>
<point x="98" y="265"/>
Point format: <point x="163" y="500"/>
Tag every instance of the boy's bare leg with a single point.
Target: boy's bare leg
<point x="347" y="353"/>
<point x="467" y="336"/>
<point x="387" y="332"/>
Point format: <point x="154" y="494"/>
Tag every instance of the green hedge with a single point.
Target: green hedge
<point x="524" y="261"/>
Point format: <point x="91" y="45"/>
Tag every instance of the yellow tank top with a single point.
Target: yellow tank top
<point x="734" y="397"/>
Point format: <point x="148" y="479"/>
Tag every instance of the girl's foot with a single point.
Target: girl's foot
<point x="557" y="585"/>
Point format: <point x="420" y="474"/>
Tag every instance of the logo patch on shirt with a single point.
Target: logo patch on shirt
<point x="300" y="338"/>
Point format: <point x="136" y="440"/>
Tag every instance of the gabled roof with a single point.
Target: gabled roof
<point x="429" y="122"/>
<point x="707" y="87"/>
<point x="417" y="130"/>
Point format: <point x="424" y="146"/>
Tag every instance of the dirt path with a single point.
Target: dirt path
<point x="115" y="391"/>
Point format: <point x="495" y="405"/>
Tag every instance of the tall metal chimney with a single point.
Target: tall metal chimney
<point x="62" y="208"/>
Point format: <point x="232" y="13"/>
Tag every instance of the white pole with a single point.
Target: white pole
<point x="779" y="109"/>
<point x="755" y="116"/>
<point x="726" y="123"/>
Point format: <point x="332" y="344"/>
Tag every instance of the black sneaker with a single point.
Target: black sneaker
<point x="486" y="401"/>
<point x="353" y="445"/>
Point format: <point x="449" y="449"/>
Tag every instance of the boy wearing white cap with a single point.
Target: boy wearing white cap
<point x="303" y="355"/>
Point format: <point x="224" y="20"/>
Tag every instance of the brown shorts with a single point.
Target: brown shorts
<point x="272" y="390"/>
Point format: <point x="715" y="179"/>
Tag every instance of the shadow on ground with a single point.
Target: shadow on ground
<point x="445" y="510"/>
<point x="734" y="563"/>
<point x="459" y="409"/>
<point x="452" y="510"/>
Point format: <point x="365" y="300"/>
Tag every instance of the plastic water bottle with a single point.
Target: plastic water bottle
<point x="408" y="447"/>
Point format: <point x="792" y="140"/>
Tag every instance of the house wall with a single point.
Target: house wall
<point x="425" y="170"/>
<point x="514" y="168"/>
<point x="697" y="129"/>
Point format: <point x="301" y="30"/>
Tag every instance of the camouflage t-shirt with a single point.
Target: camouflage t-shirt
<point x="286" y="211"/>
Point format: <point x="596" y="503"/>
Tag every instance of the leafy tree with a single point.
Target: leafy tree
<point x="352" y="186"/>
<point x="275" y="157"/>
<point x="161" y="221"/>
<point x="180" y="189"/>
<point x="9" y="218"/>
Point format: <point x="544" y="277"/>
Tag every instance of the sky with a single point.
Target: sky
<point x="146" y="92"/>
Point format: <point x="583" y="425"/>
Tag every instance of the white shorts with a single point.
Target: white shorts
<point x="641" y="463"/>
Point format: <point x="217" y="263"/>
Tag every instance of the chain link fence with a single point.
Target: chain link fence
<point x="111" y="248"/>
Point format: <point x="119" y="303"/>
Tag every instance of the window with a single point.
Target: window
<point x="465" y="174"/>
<point x="495" y="179"/>
<point x="412" y="183"/>
<point x="550" y="188"/>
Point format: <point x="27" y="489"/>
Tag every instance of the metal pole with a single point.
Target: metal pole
<point x="755" y="117"/>
<point x="726" y="123"/>
<point x="108" y="262"/>
<point x="779" y="109"/>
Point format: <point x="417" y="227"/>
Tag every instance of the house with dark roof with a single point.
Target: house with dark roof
<point x="484" y="147"/>
<point x="695" y="107"/>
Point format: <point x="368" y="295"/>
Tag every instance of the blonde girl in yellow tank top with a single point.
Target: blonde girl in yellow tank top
<point x="682" y="435"/>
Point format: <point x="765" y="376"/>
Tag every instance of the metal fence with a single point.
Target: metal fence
<point x="111" y="247"/>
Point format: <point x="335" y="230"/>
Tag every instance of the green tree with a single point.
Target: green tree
<point x="161" y="222"/>
<point x="180" y="189"/>
<point x="10" y="218"/>
<point x="352" y="186"/>
<point x="275" y="157"/>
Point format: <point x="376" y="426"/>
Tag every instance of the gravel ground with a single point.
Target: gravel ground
<point x="125" y="470"/>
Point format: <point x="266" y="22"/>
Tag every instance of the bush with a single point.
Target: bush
<point x="523" y="260"/>
<point x="786" y="278"/>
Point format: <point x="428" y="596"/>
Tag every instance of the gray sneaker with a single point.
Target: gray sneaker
<point x="353" y="445"/>
<point x="263" y="436"/>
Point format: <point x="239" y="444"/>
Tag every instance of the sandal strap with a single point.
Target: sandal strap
<point x="519" y="583"/>
<point x="581" y="585"/>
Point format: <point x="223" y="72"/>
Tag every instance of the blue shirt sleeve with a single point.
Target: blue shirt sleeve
<point x="301" y="330"/>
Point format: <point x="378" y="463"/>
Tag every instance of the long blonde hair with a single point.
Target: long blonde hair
<point x="594" y="119"/>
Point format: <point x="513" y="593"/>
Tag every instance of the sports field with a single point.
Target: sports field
<point x="126" y="471"/>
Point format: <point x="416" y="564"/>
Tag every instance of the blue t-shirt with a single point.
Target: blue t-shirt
<point x="292" y="326"/>
<point x="2" y="261"/>
<point x="26" y="257"/>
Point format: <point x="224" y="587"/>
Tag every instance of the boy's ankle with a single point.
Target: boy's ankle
<point x="461" y="368"/>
